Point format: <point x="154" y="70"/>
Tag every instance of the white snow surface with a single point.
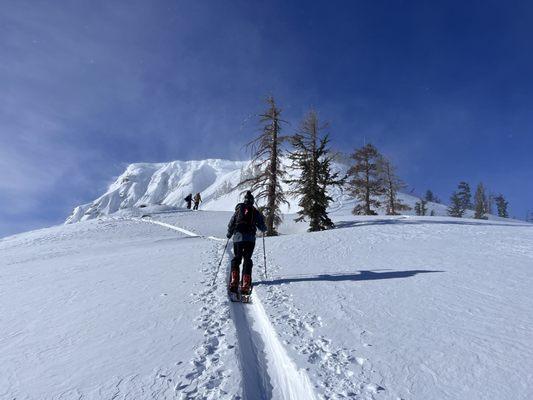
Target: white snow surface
<point x="164" y="185"/>
<point x="145" y="187"/>
<point x="401" y="307"/>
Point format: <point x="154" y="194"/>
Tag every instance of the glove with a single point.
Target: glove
<point x="228" y="235"/>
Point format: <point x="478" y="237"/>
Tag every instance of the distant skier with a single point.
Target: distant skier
<point x="188" y="199"/>
<point x="197" y="201"/>
<point x="242" y="227"/>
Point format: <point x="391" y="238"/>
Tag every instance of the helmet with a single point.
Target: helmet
<point x="249" y="198"/>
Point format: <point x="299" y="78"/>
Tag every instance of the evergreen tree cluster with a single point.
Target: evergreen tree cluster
<point x="371" y="178"/>
<point x="461" y="201"/>
<point x="420" y="207"/>
<point x="311" y="157"/>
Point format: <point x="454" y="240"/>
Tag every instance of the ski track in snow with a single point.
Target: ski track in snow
<point x="288" y="380"/>
<point x="177" y="228"/>
<point x="342" y="373"/>
<point x="266" y="368"/>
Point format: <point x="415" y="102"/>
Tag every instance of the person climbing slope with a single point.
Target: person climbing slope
<point x="188" y="199"/>
<point x="243" y="227"/>
<point x="197" y="200"/>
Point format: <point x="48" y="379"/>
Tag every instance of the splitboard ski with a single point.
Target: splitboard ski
<point x="234" y="297"/>
<point x="238" y="297"/>
<point x="246" y="298"/>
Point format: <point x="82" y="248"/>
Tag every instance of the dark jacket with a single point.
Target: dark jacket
<point x="246" y="237"/>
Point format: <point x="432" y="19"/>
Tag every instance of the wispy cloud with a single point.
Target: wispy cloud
<point x="89" y="86"/>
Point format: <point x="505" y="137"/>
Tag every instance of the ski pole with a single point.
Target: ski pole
<point x="220" y="263"/>
<point x="264" y="256"/>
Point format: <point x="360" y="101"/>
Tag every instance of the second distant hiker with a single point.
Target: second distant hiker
<point x="197" y="201"/>
<point x="188" y="199"/>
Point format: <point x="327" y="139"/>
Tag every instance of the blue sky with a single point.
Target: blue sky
<point x="442" y="88"/>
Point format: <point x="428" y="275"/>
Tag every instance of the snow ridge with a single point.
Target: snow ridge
<point x="292" y="383"/>
<point x="146" y="188"/>
<point x="174" y="228"/>
<point x="164" y="185"/>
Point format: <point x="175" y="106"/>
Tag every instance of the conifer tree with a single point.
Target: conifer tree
<point x="420" y="207"/>
<point x="392" y="185"/>
<point x="481" y="203"/>
<point x="312" y="158"/>
<point x="491" y="198"/>
<point x="456" y="208"/>
<point x="501" y="205"/>
<point x="429" y="196"/>
<point x="365" y="182"/>
<point x="268" y="174"/>
<point x="465" y="195"/>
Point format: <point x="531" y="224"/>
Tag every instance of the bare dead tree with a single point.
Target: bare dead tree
<point x="268" y="174"/>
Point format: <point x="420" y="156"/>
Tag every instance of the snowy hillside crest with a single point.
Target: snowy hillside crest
<point x="162" y="186"/>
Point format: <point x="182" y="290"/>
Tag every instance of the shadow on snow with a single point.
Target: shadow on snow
<point x="406" y="221"/>
<point x="341" y="277"/>
<point x="252" y="359"/>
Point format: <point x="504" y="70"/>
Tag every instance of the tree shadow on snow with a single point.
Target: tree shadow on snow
<point x="360" y="276"/>
<point x="407" y="221"/>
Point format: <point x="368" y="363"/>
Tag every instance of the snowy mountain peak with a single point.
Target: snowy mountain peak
<point x="160" y="186"/>
<point x="164" y="184"/>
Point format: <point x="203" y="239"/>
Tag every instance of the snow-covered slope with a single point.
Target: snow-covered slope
<point x="379" y="308"/>
<point x="165" y="185"/>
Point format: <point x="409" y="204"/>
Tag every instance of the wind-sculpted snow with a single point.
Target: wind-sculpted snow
<point x="144" y="187"/>
<point x="166" y="184"/>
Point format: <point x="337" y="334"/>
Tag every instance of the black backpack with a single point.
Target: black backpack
<point x="244" y="218"/>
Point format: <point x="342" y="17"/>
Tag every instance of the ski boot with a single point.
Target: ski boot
<point x="234" y="285"/>
<point x="246" y="288"/>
